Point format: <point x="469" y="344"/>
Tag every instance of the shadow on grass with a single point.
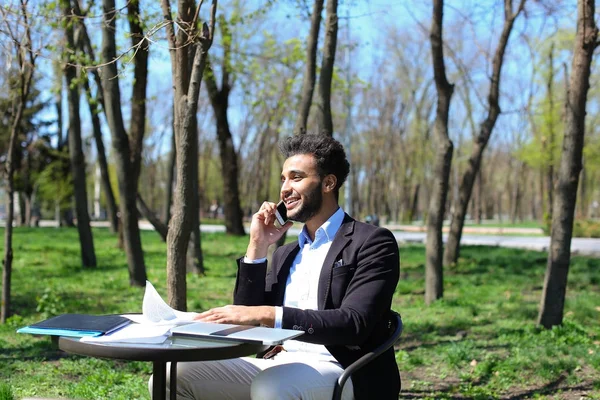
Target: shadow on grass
<point x="45" y="350"/>
<point x="551" y="388"/>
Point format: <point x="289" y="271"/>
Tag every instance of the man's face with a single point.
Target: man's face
<point x="301" y="187"/>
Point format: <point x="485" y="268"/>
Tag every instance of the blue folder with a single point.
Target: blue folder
<point x="77" y="325"/>
<point x="58" y="332"/>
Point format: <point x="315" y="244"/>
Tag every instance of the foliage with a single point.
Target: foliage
<point x="480" y="341"/>
<point x="586" y="228"/>
<point x="34" y="140"/>
<point x="55" y="182"/>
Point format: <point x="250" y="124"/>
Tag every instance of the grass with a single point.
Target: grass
<point x="480" y="341"/>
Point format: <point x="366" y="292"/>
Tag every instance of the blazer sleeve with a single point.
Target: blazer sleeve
<point x="250" y="284"/>
<point x="366" y="301"/>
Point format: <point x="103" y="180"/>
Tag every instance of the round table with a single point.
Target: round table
<point x="161" y="354"/>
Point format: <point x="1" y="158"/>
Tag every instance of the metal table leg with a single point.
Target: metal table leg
<point x="159" y="380"/>
<point x="173" y="380"/>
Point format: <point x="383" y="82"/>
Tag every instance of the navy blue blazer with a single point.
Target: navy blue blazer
<point x="356" y="285"/>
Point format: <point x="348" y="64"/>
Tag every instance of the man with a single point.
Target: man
<point x="335" y="283"/>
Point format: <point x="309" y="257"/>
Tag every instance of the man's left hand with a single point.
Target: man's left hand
<point x="239" y="315"/>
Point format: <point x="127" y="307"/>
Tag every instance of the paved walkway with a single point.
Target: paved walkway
<point x="541" y="243"/>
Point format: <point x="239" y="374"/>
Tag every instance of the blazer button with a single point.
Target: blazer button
<point x="311" y="331"/>
<point x="295" y="327"/>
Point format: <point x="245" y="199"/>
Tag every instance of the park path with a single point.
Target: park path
<point x="585" y="246"/>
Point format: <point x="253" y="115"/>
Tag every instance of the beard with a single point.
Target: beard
<point x="311" y="204"/>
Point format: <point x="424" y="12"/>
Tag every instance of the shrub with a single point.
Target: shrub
<point x="587" y="229"/>
<point x="581" y="228"/>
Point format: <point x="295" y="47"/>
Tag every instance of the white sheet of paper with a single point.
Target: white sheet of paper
<point x="155" y="311"/>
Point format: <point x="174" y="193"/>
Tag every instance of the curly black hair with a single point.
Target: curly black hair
<point x="329" y="154"/>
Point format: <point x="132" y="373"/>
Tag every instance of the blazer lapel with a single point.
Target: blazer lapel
<point x="341" y="240"/>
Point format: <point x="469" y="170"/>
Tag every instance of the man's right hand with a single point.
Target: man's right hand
<point x="263" y="231"/>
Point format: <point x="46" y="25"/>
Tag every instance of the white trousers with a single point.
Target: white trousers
<point x="286" y="376"/>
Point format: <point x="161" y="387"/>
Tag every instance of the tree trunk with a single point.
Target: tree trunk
<point x="109" y="196"/>
<point x="125" y="174"/>
<point x="513" y="190"/>
<point x="229" y="164"/>
<point x="229" y="160"/>
<point x="10" y="207"/>
<point x="551" y="135"/>
<point x="414" y="207"/>
<point x="8" y="230"/>
<point x="324" y="118"/>
<point x="21" y="209"/>
<point x="137" y="125"/>
<point x="559" y="256"/>
<point x="582" y="192"/>
<point x="478" y="201"/>
<point x="186" y="91"/>
<point x="195" y="261"/>
<point x="78" y="167"/>
<point x="466" y="185"/>
<point x="59" y="122"/>
<point x="434" y="283"/>
<point x="308" y="83"/>
<point x="516" y="193"/>
<point x="541" y="198"/>
<point x="170" y="181"/>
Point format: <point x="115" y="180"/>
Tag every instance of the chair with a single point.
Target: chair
<point x="367" y="358"/>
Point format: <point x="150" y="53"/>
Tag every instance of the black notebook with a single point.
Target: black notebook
<point x="77" y="325"/>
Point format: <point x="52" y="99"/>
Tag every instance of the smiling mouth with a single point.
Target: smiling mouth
<point x="291" y="203"/>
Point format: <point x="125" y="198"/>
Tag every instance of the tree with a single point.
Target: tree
<point x="563" y="208"/>
<point x="78" y="170"/>
<point x="434" y="284"/>
<point x="19" y="32"/>
<point x="94" y="105"/>
<point x="219" y="99"/>
<point x="480" y="142"/>
<point x="310" y="68"/>
<point x="324" y="118"/>
<point x="186" y="85"/>
<point x="32" y="145"/>
<point x="127" y="151"/>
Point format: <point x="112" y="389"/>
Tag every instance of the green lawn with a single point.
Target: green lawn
<point x="480" y="341"/>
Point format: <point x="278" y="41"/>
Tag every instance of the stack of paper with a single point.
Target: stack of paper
<point x="152" y="326"/>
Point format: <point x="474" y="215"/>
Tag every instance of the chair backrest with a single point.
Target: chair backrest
<point x="364" y="360"/>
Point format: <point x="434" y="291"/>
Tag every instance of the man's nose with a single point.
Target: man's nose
<point x="285" y="187"/>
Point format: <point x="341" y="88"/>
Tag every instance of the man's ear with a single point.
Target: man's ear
<point x="329" y="183"/>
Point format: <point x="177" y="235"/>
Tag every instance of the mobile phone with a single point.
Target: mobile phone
<point x="281" y="213"/>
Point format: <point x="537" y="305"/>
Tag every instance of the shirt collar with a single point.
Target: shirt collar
<point x="326" y="232"/>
